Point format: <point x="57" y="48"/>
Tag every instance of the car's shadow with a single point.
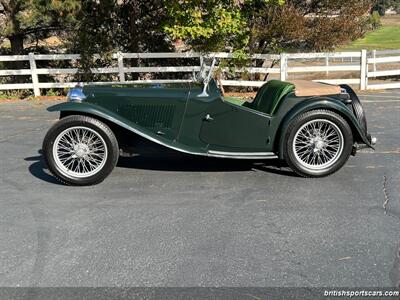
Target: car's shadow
<point x="187" y="163"/>
<point x="174" y="162"/>
<point x="38" y="168"/>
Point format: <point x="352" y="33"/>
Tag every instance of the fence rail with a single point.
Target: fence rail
<point x="354" y="67"/>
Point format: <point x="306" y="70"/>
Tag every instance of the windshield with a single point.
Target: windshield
<point x="202" y="75"/>
<point x="205" y="78"/>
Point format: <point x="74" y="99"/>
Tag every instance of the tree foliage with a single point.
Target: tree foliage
<point x="107" y="26"/>
<point x="382" y="5"/>
<point x="22" y="20"/>
<point x="244" y="26"/>
<point x="277" y="29"/>
<point x="214" y="25"/>
<point x="266" y="26"/>
<point x="103" y="26"/>
<point x="331" y="23"/>
<point x="125" y="25"/>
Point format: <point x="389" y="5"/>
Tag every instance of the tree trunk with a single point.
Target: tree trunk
<point x="134" y="8"/>
<point x="17" y="48"/>
<point x="17" y="44"/>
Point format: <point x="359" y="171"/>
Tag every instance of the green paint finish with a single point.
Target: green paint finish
<point x="248" y="132"/>
<point x="270" y="95"/>
<point x="158" y="108"/>
<point x="175" y="116"/>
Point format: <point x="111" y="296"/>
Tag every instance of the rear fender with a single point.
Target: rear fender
<point x="322" y="103"/>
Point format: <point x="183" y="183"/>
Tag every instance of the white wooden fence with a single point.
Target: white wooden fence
<point x="357" y="68"/>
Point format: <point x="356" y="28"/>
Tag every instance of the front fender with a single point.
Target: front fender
<point x="94" y="110"/>
<point x="321" y="103"/>
<point x="77" y="106"/>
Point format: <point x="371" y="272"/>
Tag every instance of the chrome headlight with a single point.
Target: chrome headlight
<point x="76" y="95"/>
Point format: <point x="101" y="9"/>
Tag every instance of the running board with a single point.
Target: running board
<point x="242" y="155"/>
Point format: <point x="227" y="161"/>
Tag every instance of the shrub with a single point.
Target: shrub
<point x="374" y="20"/>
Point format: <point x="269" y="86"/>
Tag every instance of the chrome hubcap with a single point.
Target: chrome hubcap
<point x="318" y="144"/>
<point x="79" y="152"/>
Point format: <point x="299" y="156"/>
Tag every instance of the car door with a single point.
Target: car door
<point x="229" y="127"/>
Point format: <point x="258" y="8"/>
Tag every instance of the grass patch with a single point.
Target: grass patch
<point x="234" y="100"/>
<point x="385" y="37"/>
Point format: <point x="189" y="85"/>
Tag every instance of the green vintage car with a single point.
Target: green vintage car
<point x="313" y="127"/>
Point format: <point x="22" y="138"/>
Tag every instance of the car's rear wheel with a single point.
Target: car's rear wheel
<point x="80" y="150"/>
<point x="318" y="143"/>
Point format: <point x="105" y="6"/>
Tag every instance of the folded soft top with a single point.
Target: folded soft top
<point x="304" y="88"/>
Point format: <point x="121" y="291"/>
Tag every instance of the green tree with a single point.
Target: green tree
<point x="266" y="25"/>
<point x="382" y="5"/>
<point x="331" y="23"/>
<point x="312" y="25"/>
<point x="214" y="25"/>
<point x="107" y="26"/>
<point x="22" y="20"/>
<point x="278" y="29"/>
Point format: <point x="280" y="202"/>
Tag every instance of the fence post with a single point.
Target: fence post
<point x="34" y="75"/>
<point x="283" y="66"/>
<point x="364" y="70"/>
<point x="121" y="71"/>
<point x="327" y="63"/>
<point x="374" y="56"/>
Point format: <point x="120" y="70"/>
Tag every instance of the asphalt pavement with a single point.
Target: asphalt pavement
<point x="184" y="221"/>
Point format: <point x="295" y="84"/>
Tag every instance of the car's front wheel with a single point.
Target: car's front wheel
<point x="318" y="143"/>
<point x="80" y="150"/>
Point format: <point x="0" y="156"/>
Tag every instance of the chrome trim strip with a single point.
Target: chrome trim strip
<point x="243" y="155"/>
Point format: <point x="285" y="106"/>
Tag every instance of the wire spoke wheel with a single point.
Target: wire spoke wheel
<point x="318" y="144"/>
<point x="79" y="152"/>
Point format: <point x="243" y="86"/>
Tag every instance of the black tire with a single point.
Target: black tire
<point x="100" y="130"/>
<point x="339" y="126"/>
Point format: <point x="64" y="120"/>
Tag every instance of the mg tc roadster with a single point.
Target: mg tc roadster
<point x="314" y="127"/>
